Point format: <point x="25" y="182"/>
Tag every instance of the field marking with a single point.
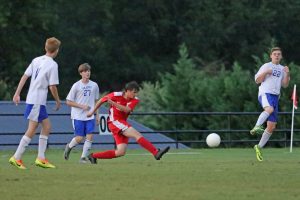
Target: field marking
<point x="144" y="154"/>
<point x="169" y="153"/>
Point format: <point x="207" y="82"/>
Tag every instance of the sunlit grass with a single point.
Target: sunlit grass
<point x="181" y="174"/>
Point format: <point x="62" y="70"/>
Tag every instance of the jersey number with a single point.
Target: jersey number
<point x="37" y="73"/>
<point x="86" y="92"/>
<point x="276" y="73"/>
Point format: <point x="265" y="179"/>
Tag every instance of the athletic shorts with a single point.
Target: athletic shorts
<point x="82" y="128"/>
<point x="117" y="127"/>
<point x="266" y="100"/>
<point x="35" y="112"/>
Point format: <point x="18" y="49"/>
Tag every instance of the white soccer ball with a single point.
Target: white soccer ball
<point x="213" y="140"/>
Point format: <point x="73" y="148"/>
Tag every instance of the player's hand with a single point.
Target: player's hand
<point x="89" y="114"/>
<point x="97" y="120"/>
<point x="16" y="99"/>
<point x="286" y="69"/>
<point x="86" y="107"/>
<point x="57" y="106"/>
<point x="110" y="101"/>
<point x="269" y="71"/>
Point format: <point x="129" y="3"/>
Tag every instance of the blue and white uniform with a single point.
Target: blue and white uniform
<point x="43" y="71"/>
<point x="269" y="89"/>
<point x="84" y="94"/>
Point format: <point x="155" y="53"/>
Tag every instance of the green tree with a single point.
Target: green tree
<point x="4" y="91"/>
<point x="135" y="40"/>
<point x="196" y="89"/>
<point x="21" y="25"/>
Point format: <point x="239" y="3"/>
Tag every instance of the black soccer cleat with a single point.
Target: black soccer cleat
<point x="92" y="159"/>
<point x="67" y="152"/>
<point x="161" y="152"/>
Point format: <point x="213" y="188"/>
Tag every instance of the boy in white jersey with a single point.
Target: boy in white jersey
<point x="271" y="77"/>
<point x="82" y="97"/>
<point x="43" y="71"/>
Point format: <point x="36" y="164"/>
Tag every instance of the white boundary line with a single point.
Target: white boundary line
<point x="169" y="153"/>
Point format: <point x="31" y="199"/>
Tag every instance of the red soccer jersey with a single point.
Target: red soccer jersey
<point x="114" y="112"/>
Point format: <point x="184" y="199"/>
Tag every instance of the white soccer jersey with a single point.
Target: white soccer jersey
<point x="273" y="82"/>
<point x="85" y="94"/>
<point x="44" y="72"/>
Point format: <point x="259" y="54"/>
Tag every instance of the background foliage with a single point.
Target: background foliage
<point x="222" y="44"/>
<point x="190" y="88"/>
<point x="125" y="40"/>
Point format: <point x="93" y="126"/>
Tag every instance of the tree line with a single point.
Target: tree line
<point x="192" y="88"/>
<point x="188" y="55"/>
<point x="138" y="40"/>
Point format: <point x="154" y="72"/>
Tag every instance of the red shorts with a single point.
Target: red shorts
<point x="117" y="127"/>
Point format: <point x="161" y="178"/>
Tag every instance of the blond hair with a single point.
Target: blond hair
<point x="84" y="67"/>
<point x="275" y="49"/>
<point x="52" y="44"/>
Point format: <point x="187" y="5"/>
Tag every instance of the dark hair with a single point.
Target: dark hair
<point x="84" y="67"/>
<point x="133" y="85"/>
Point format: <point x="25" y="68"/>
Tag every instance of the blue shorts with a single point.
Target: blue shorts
<point x="82" y="128"/>
<point x="35" y="112"/>
<point x="266" y="100"/>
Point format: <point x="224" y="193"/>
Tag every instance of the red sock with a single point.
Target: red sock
<point x="147" y="145"/>
<point x="105" y="154"/>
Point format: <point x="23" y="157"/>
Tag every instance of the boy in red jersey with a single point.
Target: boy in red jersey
<point x="121" y="105"/>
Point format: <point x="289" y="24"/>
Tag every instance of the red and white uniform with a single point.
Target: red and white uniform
<point x="117" y="119"/>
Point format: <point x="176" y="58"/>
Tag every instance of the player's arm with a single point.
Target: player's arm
<point x="286" y="79"/>
<point x="97" y="116"/>
<point x="260" y="76"/>
<point x="71" y="99"/>
<point x="53" y="81"/>
<point x="97" y="93"/>
<point x="16" y="98"/>
<point x="125" y="109"/>
<point x="97" y="106"/>
<point x="77" y="105"/>
<point x="54" y="93"/>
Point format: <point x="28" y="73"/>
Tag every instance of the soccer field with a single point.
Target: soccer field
<point x="182" y="174"/>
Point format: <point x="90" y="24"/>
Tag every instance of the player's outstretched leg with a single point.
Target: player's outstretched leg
<point x="67" y="152"/>
<point x="161" y="152"/>
<point x="258" y="153"/>
<point x="257" y="130"/>
<point x="17" y="163"/>
<point x="92" y="159"/>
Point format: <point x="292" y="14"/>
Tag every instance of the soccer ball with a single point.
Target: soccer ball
<point x="213" y="140"/>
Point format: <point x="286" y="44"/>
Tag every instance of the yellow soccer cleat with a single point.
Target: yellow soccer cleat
<point x="44" y="163"/>
<point x="257" y="130"/>
<point x="17" y="163"/>
<point x="258" y="152"/>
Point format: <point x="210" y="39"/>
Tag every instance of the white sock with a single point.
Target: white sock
<point x="73" y="143"/>
<point x="264" y="139"/>
<point x="24" y="142"/>
<point x="262" y="118"/>
<point x="43" y="140"/>
<point x="86" y="147"/>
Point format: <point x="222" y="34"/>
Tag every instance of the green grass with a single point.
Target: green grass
<point x="200" y="174"/>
